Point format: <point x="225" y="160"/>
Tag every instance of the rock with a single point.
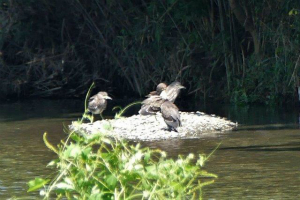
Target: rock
<point x="153" y="127"/>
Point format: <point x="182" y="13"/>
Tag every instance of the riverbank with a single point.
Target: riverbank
<point x="153" y="127"/>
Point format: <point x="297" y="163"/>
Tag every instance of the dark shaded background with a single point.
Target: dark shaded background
<point x="226" y="50"/>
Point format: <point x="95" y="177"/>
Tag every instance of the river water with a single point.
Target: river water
<point x="259" y="160"/>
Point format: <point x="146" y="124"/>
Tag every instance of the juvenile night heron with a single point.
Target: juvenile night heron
<point x="151" y="105"/>
<point x="172" y="91"/>
<point x="171" y="115"/>
<point x="97" y="103"/>
<point x="160" y="87"/>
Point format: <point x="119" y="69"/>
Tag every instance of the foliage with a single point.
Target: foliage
<point x="123" y="110"/>
<point x="87" y="96"/>
<point x="58" y="48"/>
<point x="99" y="167"/>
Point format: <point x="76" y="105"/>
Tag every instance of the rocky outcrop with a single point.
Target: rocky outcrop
<point x="153" y="127"/>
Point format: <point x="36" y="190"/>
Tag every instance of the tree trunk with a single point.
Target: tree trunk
<point x="244" y="17"/>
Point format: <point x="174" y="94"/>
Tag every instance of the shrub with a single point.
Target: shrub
<point x="100" y="167"/>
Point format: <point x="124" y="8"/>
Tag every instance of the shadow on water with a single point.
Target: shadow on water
<point x="281" y="147"/>
<point x="259" y="160"/>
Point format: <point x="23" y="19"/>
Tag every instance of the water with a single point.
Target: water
<point x="259" y="160"/>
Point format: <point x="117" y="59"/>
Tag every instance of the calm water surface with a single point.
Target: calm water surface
<point x="259" y="160"/>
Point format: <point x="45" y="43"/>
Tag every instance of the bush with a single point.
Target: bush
<point x="99" y="167"/>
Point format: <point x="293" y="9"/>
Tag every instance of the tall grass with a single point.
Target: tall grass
<point x="61" y="47"/>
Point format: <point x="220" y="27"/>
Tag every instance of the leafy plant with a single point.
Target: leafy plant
<point x="100" y="167"/>
<point x="123" y="110"/>
<point x="85" y="114"/>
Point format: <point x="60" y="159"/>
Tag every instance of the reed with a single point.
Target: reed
<point x="133" y="45"/>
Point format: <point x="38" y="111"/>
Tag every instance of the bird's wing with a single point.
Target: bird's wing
<point x="92" y="98"/>
<point x="172" y="115"/>
<point x="151" y="99"/>
<point x="95" y="102"/>
<point x="152" y="104"/>
<point x="92" y="105"/>
<point x="147" y="110"/>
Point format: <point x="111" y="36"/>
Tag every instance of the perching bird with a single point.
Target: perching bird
<point x="97" y="103"/>
<point x="171" y="115"/>
<point x="160" y="87"/>
<point x="172" y="91"/>
<point x="151" y="105"/>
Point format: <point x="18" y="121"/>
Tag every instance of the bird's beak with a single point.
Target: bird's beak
<point x="182" y="87"/>
<point x="108" y="97"/>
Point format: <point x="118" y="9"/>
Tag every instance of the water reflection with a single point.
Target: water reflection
<point x="259" y="160"/>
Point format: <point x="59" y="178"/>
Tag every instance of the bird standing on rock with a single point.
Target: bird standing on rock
<point x="97" y="103"/>
<point x="171" y="115"/>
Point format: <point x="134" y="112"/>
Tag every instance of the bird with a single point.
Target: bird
<point x="97" y="103"/>
<point x="159" y="88"/>
<point x="151" y="105"/>
<point x="170" y="114"/>
<point x="172" y="91"/>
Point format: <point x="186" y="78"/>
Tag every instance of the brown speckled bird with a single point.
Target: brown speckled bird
<point x="172" y="91"/>
<point x="97" y="103"/>
<point x="151" y="105"/>
<point x="171" y="115"/>
<point x="160" y="87"/>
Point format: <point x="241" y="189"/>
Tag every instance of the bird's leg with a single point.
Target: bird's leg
<point x="102" y="118"/>
<point x="92" y="118"/>
<point x="155" y="117"/>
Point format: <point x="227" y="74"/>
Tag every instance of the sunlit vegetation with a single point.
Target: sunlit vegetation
<point x="98" y="167"/>
<point x="235" y="51"/>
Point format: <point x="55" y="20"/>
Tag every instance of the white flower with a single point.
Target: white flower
<point x="179" y="161"/>
<point x="137" y="167"/>
<point x="163" y="154"/>
<point x="191" y="156"/>
<point x="146" y="194"/>
<point x="138" y="156"/>
<point x="42" y="193"/>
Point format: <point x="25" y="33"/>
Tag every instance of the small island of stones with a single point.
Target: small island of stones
<point x="152" y="127"/>
<point x="159" y="118"/>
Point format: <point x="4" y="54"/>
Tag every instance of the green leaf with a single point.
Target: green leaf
<point x="293" y="12"/>
<point x="147" y="156"/>
<point x="206" y="174"/>
<point x="111" y="180"/>
<point x="37" y="183"/>
<point x="76" y="137"/>
<point x="73" y="150"/>
<point x="86" y="152"/>
<point x="151" y="171"/>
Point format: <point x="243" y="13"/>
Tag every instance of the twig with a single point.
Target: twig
<point x="296" y="66"/>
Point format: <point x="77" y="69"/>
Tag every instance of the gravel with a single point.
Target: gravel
<point x="153" y="127"/>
